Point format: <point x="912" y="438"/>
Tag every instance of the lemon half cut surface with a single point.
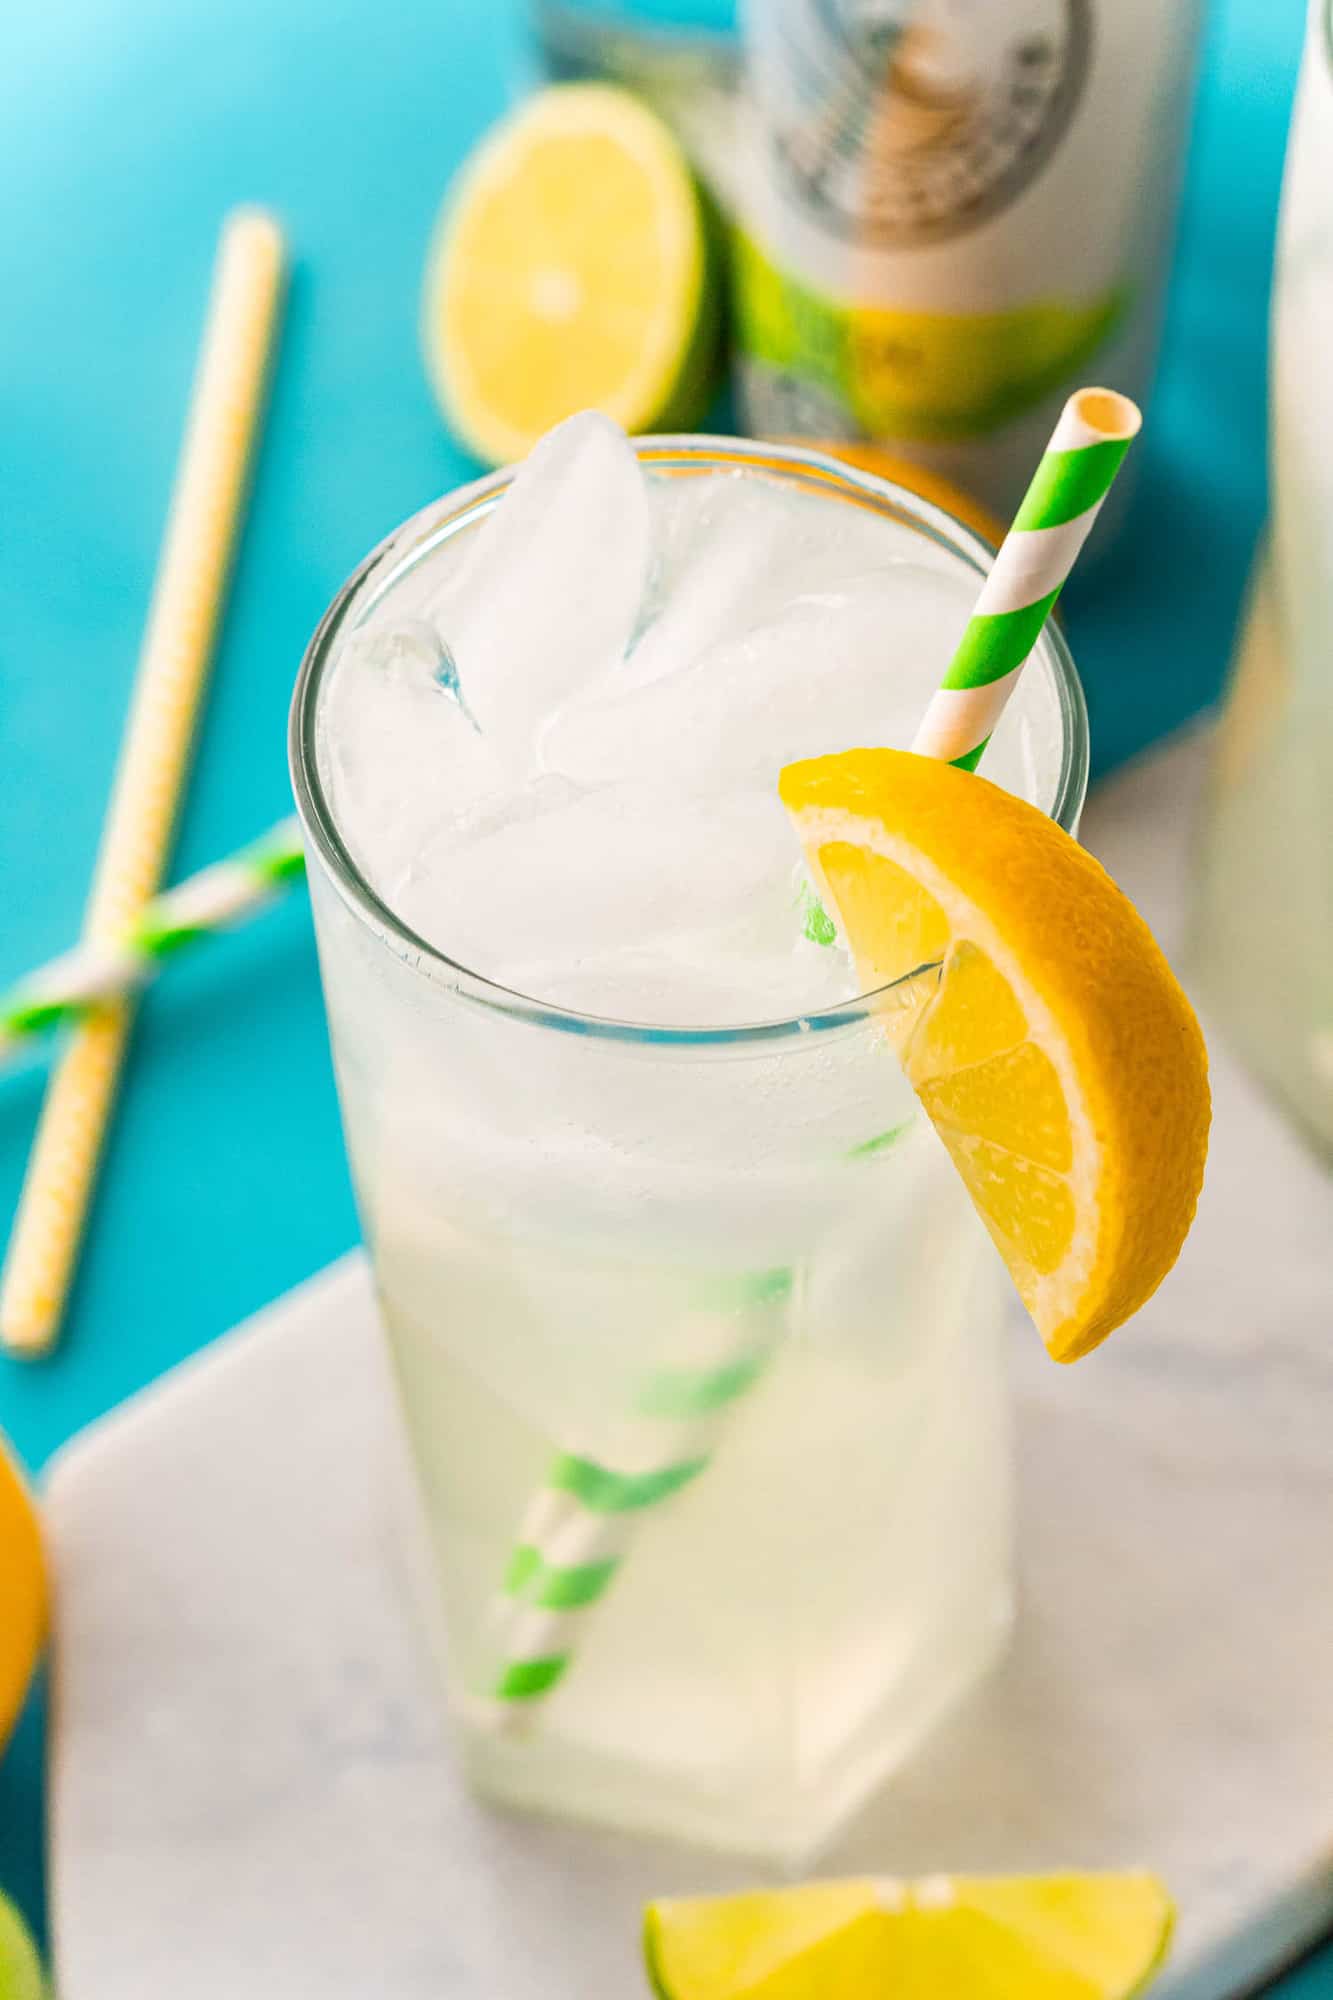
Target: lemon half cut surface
<point x="1056" y="1055"/>
<point x="23" y="1591"/>
<point x="574" y="268"/>
<point x="1040" y="1937"/>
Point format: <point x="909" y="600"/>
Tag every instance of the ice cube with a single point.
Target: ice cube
<point x="732" y="552"/>
<point x="384" y="776"/>
<point x="551" y="592"/>
<point x="620" y="869"/>
<point x="706" y="978"/>
<point x="466" y="818"/>
<point x="821" y="675"/>
<point x="410" y="652"/>
<point x="713" y="577"/>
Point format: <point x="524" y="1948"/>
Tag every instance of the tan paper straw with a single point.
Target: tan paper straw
<point x="206" y="506"/>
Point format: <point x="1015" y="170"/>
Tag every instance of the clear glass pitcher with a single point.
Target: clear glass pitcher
<point x="1263" y="945"/>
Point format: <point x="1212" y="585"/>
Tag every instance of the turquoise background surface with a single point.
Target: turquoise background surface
<point x="127" y="127"/>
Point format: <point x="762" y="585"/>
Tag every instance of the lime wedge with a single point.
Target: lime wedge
<point x="1038" y="1937"/>
<point x="572" y="270"/>
<point x="20" y="1968"/>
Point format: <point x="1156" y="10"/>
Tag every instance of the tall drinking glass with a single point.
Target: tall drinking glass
<point x="700" y="1359"/>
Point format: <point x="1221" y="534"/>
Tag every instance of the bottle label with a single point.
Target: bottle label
<point x="898" y="125"/>
<point x="843" y="369"/>
<point x="952" y="206"/>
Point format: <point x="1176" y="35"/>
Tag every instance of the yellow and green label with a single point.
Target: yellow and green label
<point x="922" y="376"/>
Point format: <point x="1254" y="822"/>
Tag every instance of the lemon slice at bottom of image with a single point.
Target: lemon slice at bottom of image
<point x="20" y="1968"/>
<point x="1041" y="1937"/>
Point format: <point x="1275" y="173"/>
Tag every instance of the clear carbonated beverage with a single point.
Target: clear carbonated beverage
<point x="1266" y="959"/>
<point x="697" y="1336"/>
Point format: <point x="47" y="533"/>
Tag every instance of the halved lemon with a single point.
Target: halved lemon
<point x="1056" y="1056"/>
<point x="572" y="270"/>
<point x="23" y="1593"/>
<point x="1039" y="1937"/>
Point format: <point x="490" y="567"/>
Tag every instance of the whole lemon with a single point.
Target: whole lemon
<point x="23" y="1595"/>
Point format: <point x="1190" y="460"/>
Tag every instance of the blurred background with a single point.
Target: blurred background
<point x="129" y="128"/>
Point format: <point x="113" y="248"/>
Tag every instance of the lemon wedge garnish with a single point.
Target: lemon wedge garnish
<point x="1056" y="1055"/>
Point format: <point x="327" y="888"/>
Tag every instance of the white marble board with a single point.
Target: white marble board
<point x="251" y="1790"/>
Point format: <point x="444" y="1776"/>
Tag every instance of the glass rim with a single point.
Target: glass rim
<point x="454" y="511"/>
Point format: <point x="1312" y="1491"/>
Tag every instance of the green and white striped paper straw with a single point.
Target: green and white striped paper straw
<point x="1096" y="429"/>
<point x="215" y="899"/>
<point x="578" y="1529"/>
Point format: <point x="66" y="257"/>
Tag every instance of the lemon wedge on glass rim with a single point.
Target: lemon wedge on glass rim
<point x="1055" y="1055"/>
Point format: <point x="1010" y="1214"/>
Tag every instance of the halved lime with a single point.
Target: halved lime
<point x="572" y="270"/>
<point x="1037" y="1937"/>
<point x="20" y="1968"/>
